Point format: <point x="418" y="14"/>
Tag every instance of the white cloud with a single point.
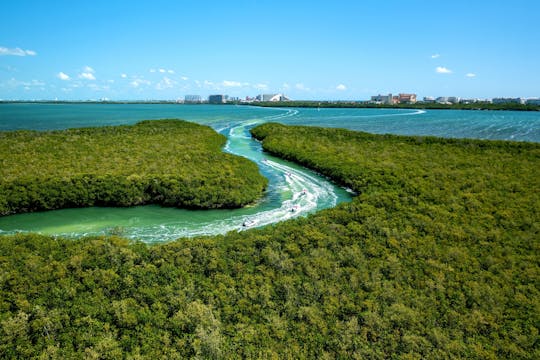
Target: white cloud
<point x="300" y="86"/>
<point x="228" y="83"/>
<point x="36" y="83"/>
<point x="96" y="87"/>
<point x="138" y="82"/>
<point x="9" y="68"/>
<point x="261" y="86"/>
<point x="470" y="75"/>
<point x="443" y="70"/>
<point x="435" y="56"/>
<point x="87" y="76"/>
<point x="341" y="87"/>
<point x="62" y="76"/>
<point x="14" y="83"/>
<point x="286" y="86"/>
<point x="17" y="52"/>
<point x="123" y="76"/>
<point x="162" y="71"/>
<point x="185" y="78"/>
<point x="88" y="69"/>
<point x="165" y="83"/>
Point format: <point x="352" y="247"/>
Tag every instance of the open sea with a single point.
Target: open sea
<point x="501" y="125"/>
<point x="287" y="181"/>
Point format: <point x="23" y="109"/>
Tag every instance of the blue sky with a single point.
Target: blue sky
<point x="305" y="49"/>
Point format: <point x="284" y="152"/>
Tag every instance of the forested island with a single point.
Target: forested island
<point x="166" y="162"/>
<point x="437" y="257"/>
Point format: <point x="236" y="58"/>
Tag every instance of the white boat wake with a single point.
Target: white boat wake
<point x="300" y="191"/>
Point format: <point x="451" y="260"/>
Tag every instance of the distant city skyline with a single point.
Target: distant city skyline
<point x="307" y="50"/>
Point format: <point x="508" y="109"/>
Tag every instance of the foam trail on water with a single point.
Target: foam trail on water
<point x="305" y="189"/>
<point x="403" y="113"/>
<point x="305" y="192"/>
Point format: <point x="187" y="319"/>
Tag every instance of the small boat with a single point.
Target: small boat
<point x="249" y="223"/>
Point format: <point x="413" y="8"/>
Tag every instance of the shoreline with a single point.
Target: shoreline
<point x="480" y="106"/>
<point x="417" y="106"/>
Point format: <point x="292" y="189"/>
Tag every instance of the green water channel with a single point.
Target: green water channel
<point x="293" y="191"/>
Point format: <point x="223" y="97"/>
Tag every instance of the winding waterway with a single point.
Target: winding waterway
<point x="293" y="191"/>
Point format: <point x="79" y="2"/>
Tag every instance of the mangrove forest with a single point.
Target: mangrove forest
<point x="437" y="257"/>
<point x="166" y="162"/>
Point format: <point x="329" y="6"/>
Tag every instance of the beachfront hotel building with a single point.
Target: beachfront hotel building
<point x="272" y="97"/>
<point x="394" y="99"/>
<point x="407" y="98"/>
<point x="217" y="99"/>
<point x="383" y="99"/>
<point x="192" y="99"/>
<point x="508" y="100"/>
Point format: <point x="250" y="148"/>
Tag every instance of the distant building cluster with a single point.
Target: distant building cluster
<point x="535" y="101"/>
<point x="458" y="100"/>
<point x="447" y="100"/>
<point x="192" y="99"/>
<point x="394" y="99"/>
<point x="223" y="99"/>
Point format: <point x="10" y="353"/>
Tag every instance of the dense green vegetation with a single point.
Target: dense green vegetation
<point x="419" y="105"/>
<point x="437" y="257"/>
<point x="168" y="162"/>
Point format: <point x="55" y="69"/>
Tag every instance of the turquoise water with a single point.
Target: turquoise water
<point x="494" y="125"/>
<point x="501" y="125"/>
<point x="285" y="198"/>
